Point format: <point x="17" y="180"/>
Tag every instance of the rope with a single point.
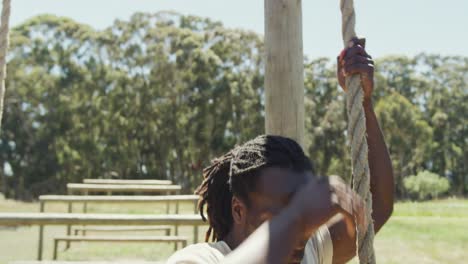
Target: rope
<point x="4" y="42"/>
<point x="357" y="132"/>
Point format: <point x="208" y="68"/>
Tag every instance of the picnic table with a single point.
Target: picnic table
<point x="86" y="188"/>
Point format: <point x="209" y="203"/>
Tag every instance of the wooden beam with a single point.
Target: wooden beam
<point x="127" y="182"/>
<point x="118" y="198"/>
<point x="122" y="238"/>
<point x="28" y="219"/>
<point x="122" y="228"/>
<point x="140" y="239"/>
<point x="84" y="187"/>
<point x="284" y="69"/>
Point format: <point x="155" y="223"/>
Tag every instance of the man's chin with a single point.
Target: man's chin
<point x="296" y="256"/>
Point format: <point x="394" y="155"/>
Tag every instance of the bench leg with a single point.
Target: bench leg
<point x="195" y="234"/>
<point x="41" y="233"/>
<point x="70" y="210"/>
<point x="40" y="242"/>
<point x="85" y="204"/>
<point x="195" y="207"/>
<point x="55" y="248"/>
<point x="176" y="233"/>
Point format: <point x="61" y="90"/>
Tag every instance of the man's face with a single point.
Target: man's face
<point x="274" y="190"/>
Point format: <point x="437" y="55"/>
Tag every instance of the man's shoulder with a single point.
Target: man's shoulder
<point x="319" y="248"/>
<point x="201" y="253"/>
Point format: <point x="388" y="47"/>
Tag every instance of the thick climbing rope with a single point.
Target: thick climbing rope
<point x="4" y="42"/>
<point x="357" y="133"/>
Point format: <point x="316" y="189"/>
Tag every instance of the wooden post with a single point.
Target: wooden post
<point x="70" y="210"/>
<point x="284" y="69"/>
<point x="176" y="233"/>
<point x="195" y="227"/>
<point x="195" y="206"/>
<point x="41" y="234"/>
<point x="55" y="249"/>
<point x="168" y="204"/>
<point x="195" y="234"/>
<point x="85" y="204"/>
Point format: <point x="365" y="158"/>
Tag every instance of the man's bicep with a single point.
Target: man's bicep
<point x="344" y="244"/>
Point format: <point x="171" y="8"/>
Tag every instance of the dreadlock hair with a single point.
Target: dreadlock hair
<point x="236" y="173"/>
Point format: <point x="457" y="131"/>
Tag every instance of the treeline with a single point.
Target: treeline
<point x="159" y="95"/>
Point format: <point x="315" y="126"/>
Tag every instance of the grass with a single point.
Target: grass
<point x="428" y="232"/>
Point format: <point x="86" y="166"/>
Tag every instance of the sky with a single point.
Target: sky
<point x="391" y="27"/>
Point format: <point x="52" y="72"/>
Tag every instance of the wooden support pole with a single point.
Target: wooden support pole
<point x="85" y="204"/>
<point x="176" y="233"/>
<point x="195" y="228"/>
<point x="55" y="249"/>
<point x="168" y="207"/>
<point x="40" y="244"/>
<point x="284" y="69"/>
<point x="195" y="234"/>
<point x="70" y="210"/>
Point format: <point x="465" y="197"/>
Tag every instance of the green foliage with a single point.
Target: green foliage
<point x="406" y="133"/>
<point x="161" y="94"/>
<point x="426" y="185"/>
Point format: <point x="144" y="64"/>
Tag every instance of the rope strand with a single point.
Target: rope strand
<point x="357" y="132"/>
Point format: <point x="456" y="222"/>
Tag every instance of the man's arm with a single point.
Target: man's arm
<point x="275" y="240"/>
<point x="272" y="242"/>
<point x="381" y="170"/>
<point x="357" y="61"/>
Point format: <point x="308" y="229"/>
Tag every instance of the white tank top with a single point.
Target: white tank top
<point x="318" y="250"/>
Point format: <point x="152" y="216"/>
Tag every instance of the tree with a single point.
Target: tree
<point x="408" y="135"/>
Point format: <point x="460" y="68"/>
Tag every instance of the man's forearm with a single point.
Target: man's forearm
<point x="272" y="242"/>
<point x="381" y="171"/>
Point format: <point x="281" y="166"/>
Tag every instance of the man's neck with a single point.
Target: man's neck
<point x="233" y="240"/>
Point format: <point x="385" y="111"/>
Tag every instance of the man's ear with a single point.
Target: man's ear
<point x="238" y="210"/>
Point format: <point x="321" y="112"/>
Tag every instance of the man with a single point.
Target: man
<point x="265" y="205"/>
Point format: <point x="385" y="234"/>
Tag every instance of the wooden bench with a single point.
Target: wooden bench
<point x="175" y="239"/>
<point x="111" y="188"/>
<point x="84" y="229"/>
<point x="127" y="182"/>
<point x="85" y="199"/>
<point x="43" y="219"/>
